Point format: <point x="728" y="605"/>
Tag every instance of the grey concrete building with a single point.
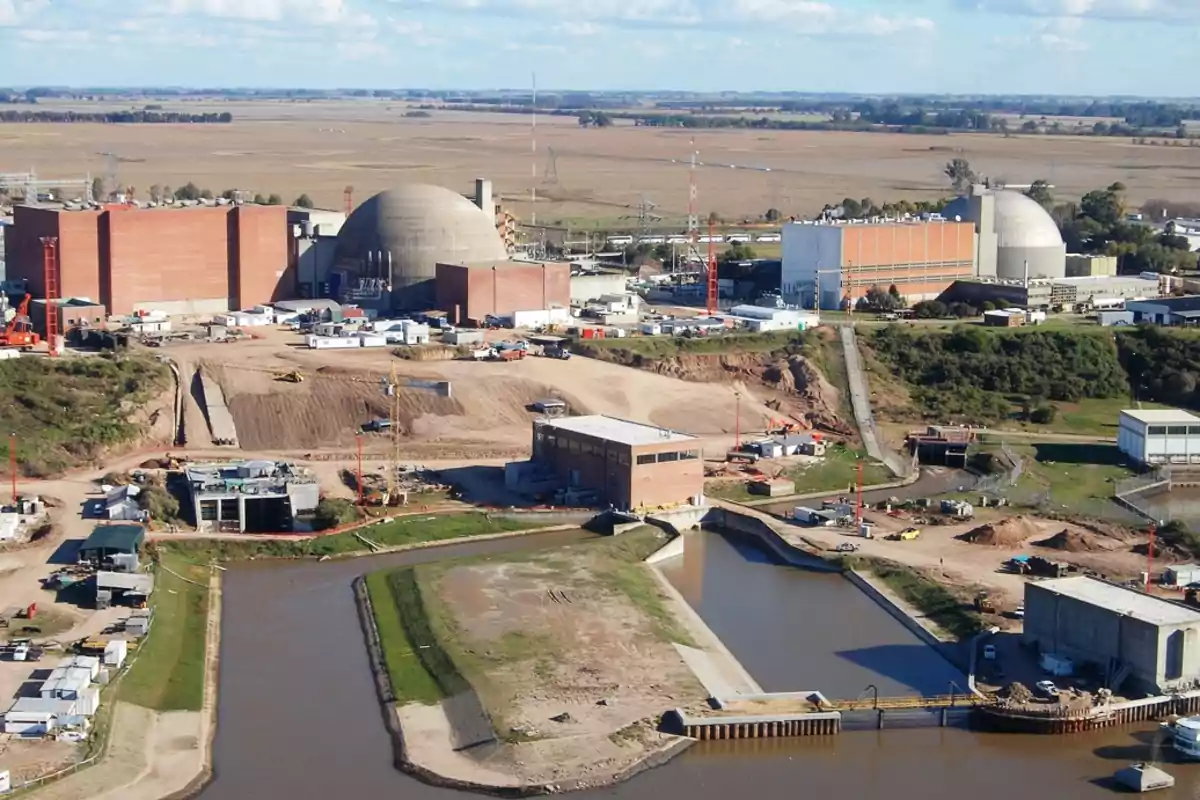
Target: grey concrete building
<point x="1139" y="642"/>
<point x="1065" y="294"/>
<point x="250" y="496"/>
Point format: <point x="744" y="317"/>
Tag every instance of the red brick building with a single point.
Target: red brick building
<point x="629" y="465"/>
<point x="177" y="260"/>
<point x="470" y="292"/>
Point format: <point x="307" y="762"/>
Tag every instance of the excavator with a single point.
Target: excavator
<point x="19" y="331"/>
<point x="295" y="376"/>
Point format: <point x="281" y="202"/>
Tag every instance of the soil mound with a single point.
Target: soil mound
<point x="1075" y="542"/>
<point x="1011" y="532"/>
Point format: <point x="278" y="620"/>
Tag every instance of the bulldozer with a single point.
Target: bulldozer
<point x="984" y="604"/>
<point x="295" y="376"/>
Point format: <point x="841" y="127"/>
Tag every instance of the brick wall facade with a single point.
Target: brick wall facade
<point x="125" y="257"/>
<point x="472" y="293"/>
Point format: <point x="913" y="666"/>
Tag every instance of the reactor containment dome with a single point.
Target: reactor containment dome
<point x="399" y="236"/>
<point x="1017" y="237"/>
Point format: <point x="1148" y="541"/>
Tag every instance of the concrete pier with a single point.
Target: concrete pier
<point x="765" y="726"/>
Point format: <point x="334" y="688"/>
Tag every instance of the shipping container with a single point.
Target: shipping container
<point x="332" y="342"/>
<point x="372" y="340"/>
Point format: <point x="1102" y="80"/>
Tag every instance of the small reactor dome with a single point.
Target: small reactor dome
<point x="1024" y="233"/>
<point x="401" y="234"/>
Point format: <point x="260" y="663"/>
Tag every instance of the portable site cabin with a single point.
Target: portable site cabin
<point x="37" y="716"/>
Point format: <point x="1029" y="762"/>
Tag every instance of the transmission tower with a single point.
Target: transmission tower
<point x="550" y="173"/>
<point x="645" y="217"/>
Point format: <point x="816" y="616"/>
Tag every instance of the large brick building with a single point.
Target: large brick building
<point x="828" y="265"/>
<point x="177" y="260"/>
<point x="629" y="465"/>
<point x="471" y="292"/>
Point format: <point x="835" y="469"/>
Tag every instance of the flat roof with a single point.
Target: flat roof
<point x="505" y="263"/>
<point x="622" y="431"/>
<point x="1121" y="600"/>
<point x="1161" y="416"/>
<point x="123" y="538"/>
<point x="1173" y="304"/>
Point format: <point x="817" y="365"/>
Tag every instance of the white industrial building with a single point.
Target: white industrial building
<point x="1159" y="436"/>
<point x="760" y="319"/>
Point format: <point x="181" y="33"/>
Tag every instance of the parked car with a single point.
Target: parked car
<point x="1046" y="689"/>
<point x="1020" y="612"/>
<point x="846" y="547"/>
<point x="989" y="652"/>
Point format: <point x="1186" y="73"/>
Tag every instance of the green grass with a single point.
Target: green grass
<point x="168" y="674"/>
<point x="826" y="354"/>
<point x="403" y="531"/>
<point x="1068" y="476"/>
<point x="935" y="601"/>
<point x="837" y="472"/>
<point x="419" y="670"/>
<point x="1088" y="417"/>
<point x="69" y="411"/>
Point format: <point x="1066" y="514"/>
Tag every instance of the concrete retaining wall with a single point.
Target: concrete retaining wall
<point x="672" y="549"/>
<point x="945" y="649"/>
<point x="790" y="553"/>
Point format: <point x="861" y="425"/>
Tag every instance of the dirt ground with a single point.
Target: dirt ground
<point x="941" y="553"/>
<point x="487" y="417"/>
<point x="149" y="756"/>
<point x="320" y="147"/>
<point x="549" y="640"/>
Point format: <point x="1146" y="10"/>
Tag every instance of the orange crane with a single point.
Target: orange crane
<point x="19" y="331"/>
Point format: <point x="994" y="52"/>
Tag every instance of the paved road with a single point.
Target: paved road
<point x="860" y="399"/>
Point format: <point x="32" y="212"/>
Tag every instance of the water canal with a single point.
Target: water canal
<point x="299" y="719"/>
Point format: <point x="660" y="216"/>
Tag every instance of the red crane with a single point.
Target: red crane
<point x="50" y="286"/>
<point x="19" y="331"/>
<point x="712" y="270"/>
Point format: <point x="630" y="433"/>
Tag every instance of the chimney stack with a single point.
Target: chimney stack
<point x="483" y="196"/>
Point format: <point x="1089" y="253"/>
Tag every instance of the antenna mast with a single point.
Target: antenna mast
<point x="533" y="155"/>
<point x="693" y="224"/>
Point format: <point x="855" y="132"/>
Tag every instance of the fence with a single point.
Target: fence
<point x="1131" y="494"/>
<point x="102" y="730"/>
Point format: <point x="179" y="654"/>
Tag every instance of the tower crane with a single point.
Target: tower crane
<point x="392" y="384"/>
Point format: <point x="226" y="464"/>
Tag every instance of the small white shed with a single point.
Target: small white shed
<point x="1182" y="574"/>
<point x="36" y="716"/>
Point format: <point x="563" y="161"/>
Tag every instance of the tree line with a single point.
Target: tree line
<point x="889" y="116"/>
<point x="164" y="194"/>
<point x="114" y="117"/>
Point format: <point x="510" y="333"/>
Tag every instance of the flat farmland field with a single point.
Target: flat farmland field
<point x="319" y="148"/>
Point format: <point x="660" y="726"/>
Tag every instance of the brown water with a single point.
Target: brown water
<point x="299" y="718"/>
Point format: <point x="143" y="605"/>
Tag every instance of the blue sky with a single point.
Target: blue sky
<point x="1149" y="47"/>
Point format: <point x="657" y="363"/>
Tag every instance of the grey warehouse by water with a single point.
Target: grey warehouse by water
<point x="1138" y="642"/>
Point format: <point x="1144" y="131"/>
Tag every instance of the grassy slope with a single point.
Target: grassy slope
<point x="837" y="472"/>
<point x="1088" y="417"/>
<point x="657" y="348"/>
<point x="950" y="613"/>
<point x="399" y="532"/>
<point x="168" y="674"/>
<point x="68" y="411"/>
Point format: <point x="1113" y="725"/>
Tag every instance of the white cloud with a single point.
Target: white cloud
<point x="799" y="16"/>
<point x="316" y="11"/>
<point x="1058" y="34"/>
<point x="15" y="12"/>
<point x="1149" y="10"/>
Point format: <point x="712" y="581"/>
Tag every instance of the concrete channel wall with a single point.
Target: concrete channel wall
<point x="860" y="401"/>
<point x="790" y="553"/>
<point x="220" y="421"/>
